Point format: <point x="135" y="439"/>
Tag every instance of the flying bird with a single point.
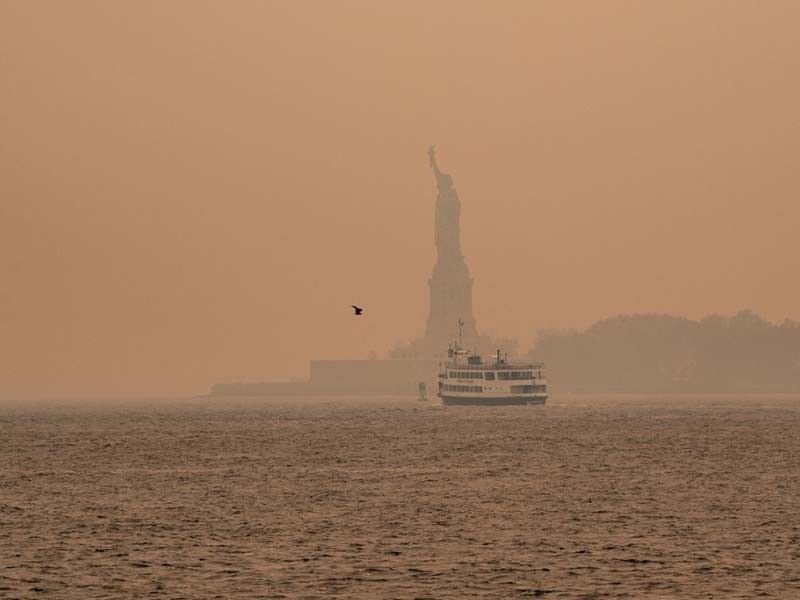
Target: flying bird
<point x="356" y="310"/>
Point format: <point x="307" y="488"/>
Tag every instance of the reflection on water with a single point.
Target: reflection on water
<point x="681" y="497"/>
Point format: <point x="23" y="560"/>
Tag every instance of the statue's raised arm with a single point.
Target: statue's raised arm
<point x="443" y="181"/>
<point x="432" y="159"/>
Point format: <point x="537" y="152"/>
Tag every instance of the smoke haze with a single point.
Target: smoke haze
<point x="195" y="192"/>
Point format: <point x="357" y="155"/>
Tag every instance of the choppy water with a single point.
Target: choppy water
<point x="582" y="498"/>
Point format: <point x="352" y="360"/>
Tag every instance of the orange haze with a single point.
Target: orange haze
<point x="195" y="192"/>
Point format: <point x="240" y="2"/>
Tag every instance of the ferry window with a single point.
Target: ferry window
<point x="489" y="376"/>
<point x="466" y="374"/>
<point x="462" y="388"/>
<point x="525" y="389"/>
<point x="521" y="374"/>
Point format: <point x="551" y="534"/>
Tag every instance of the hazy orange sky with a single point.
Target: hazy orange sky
<point x="193" y="192"/>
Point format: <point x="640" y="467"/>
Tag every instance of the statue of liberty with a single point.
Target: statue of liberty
<point x="448" y="213"/>
<point x="450" y="284"/>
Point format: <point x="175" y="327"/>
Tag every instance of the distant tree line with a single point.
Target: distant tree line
<point x="653" y="352"/>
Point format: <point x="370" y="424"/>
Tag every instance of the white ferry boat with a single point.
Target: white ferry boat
<point x="465" y="380"/>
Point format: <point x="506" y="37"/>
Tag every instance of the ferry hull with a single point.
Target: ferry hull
<point x="497" y="401"/>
